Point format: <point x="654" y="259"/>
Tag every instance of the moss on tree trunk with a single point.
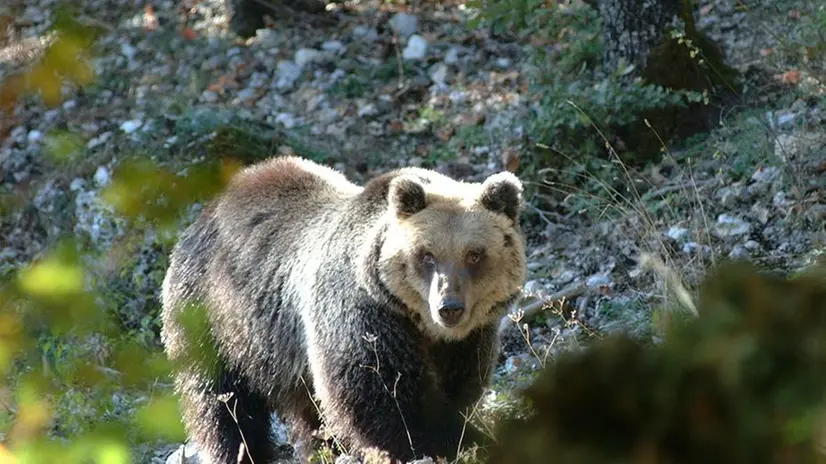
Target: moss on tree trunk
<point x="660" y="38"/>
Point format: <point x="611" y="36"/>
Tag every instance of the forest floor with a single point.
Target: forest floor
<point x="353" y="91"/>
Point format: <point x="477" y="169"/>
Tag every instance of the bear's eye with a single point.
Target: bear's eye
<point x="475" y="256"/>
<point x="428" y="258"/>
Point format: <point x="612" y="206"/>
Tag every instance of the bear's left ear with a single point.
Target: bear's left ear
<point x="502" y="193"/>
<point x="406" y="196"/>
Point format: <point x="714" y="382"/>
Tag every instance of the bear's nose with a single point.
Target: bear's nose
<point x="450" y="311"/>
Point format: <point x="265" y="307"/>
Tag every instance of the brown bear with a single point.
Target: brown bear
<point x="371" y="308"/>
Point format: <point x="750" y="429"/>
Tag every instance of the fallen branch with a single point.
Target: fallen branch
<point x="531" y="309"/>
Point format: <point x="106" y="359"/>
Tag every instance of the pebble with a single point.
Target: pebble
<point x="185" y="453"/>
<point x="285" y="119"/>
<point x="34" y="136"/>
<point x="566" y="277"/>
<point x="209" y="96"/>
<point x="267" y="37"/>
<point x="694" y="248"/>
<point x="438" y="74"/>
<point x="102" y="176"/>
<point x="598" y="280"/>
<point x="786" y="119"/>
<point x="766" y="174"/>
<point x="306" y="56"/>
<point x="286" y="74"/>
<point x="334" y="46"/>
<point x="247" y="95"/>
<point x="504" y="63"/>
<point x="416" y="48"/>
<point x="99" y="140"/>
<point x="452" y="56"/>
<point x="404" y="24"/>
<point x="366" y="33"/>
<point x="730" y="226"/>
<point x="739" y="252"/>
<point x="131" y="125"/>
<point x="676" y="233"/>
<point x="532" y="286"/>
<point x="367" y="109"/>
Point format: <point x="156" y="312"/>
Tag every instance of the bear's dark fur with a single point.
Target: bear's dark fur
<point x="247" y="16"/>
<point x="375" y="306"/>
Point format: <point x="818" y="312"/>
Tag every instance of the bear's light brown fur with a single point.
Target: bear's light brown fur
<point x="381" y="301"/>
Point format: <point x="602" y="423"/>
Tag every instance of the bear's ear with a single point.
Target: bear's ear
<point x="406" y="197"/>
<point x="502" y="193"/>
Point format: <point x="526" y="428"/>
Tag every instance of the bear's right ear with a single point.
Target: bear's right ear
<point x="406" y="197"/>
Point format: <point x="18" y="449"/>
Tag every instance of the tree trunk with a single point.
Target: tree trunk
<point x="633" y="27"/>
<point x="641" y="33"/>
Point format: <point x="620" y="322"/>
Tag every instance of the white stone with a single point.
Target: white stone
<point x="452" y="56"/>
<point x="286" y="74"/>
<point x="131" y="126"/>
<point x="676" y="233"/>
<point x="729" y="226"/>
<point x="438" y="74"/>
<point x="305" y="56"/>
<point x="185" y="453"/>
<point x="404" y="24"/>
<point x="334" y="46"/>
<point x="102" y="176"/>
<point x="416" y="48"/>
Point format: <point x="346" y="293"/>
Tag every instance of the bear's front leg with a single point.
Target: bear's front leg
<point x="376" y="388"/>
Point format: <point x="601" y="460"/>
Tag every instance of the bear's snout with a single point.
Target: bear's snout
<point x="450" y="310"/>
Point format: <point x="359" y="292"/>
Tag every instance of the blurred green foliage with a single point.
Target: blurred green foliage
<point x="66" y="61"/>
<point x="744" y="382"/>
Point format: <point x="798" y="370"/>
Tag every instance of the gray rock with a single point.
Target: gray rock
<point x="99" y="140"/>
<point x="566" y="277"/>
<point x="404" y="24"/>
<point x="286" y="74"/>
<point x="676" y="233"/>
<point x="416" y="48"/>
<point x="438" y="74"/>
<point x="34" y="136"/>
<point x="694" y="248"/>
<point x="730" y="226"/>
<point x="533" y="286"/>
<point x="247" y="95"/>
<point x="185" y="453"/>
<point x="346" y="459"/>
<point x="751" y="245"/>
<point x="131" y="126"/>
<point x="102" y="176"/>
<point x="739" y="252"/>
<point x="306" y="56"/>
<point x="367" y="109"/>
<point x="366" y="33"/>
<point x="452" y="56"/>
<point x="766" y="175"/>
<point x="334" y="46"/>
<point x="598" y="280"/>
<point x="786" y="119"/>
<point x="267" y="37"/>
<point x="285" y="119"/>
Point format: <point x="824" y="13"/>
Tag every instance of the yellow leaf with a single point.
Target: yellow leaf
<point x="47" y="82"/>
<point x="161" y="419"/>
<point x="50" y="278"/>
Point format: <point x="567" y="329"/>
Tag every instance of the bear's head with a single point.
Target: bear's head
<point x="453" y="252"/>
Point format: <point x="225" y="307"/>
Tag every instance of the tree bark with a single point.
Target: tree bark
<point x="633" y="27"/>
<point x="639" y="33"/>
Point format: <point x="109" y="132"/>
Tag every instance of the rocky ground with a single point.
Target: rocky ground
<point x="376" y="86"/>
